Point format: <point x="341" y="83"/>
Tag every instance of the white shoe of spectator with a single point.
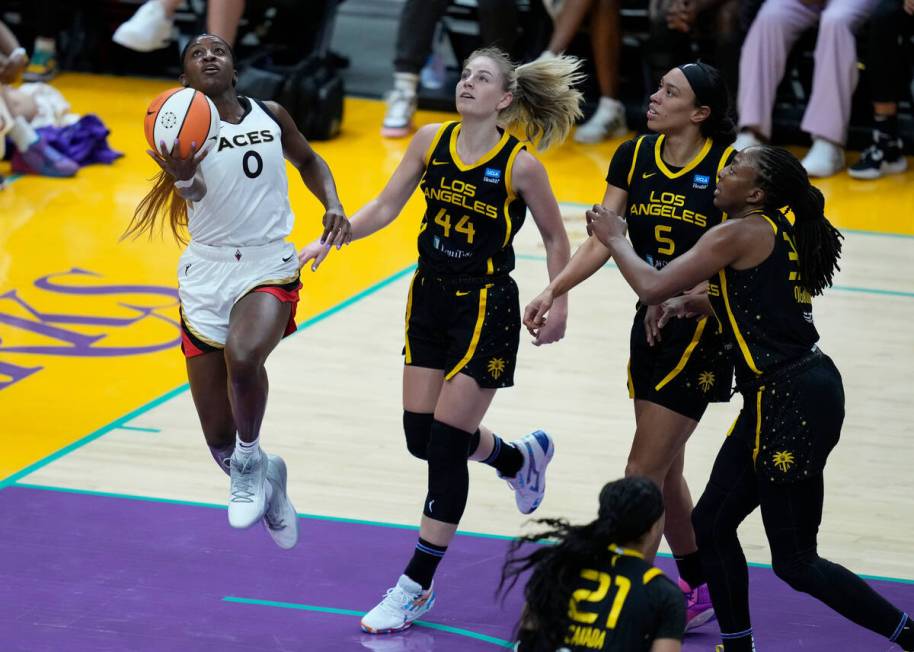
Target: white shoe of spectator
<point x="608" y="121"/>
<point x="401" y="106"/>
<point x="147" y="30"/>
<point x="823" y="159"/>
<point x="745" y="139"/>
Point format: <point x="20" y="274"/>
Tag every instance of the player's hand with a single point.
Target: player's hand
<point x="536" y="311"/>
<point x="553" y="328"/>
<point x="909" y="7"/>
<point x="12" y="67"/>
<point x="181" y="169"/>
<point x="337" y="229"/>
<point x="315" y="251"/>
<point x="677" y="307"/>
<point x="652" y="324"/>
<point x="605" y="224"/>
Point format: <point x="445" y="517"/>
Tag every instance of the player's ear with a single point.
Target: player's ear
<point x="182" y="79"/>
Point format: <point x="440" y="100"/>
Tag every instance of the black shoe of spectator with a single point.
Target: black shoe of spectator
<point x="883" y="157"/>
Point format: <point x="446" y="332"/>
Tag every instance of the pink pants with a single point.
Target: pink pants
<point x="776" y="28"/>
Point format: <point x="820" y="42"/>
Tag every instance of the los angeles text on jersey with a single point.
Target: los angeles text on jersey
<point x="244" y="140"/>
<point x="668" y="204"/>
<point x="591" y="637"/>
<point x="459" y="193"/>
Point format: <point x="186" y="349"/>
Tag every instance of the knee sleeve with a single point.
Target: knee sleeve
<point x="448" y="477"/>
<point x="417" y="426"/>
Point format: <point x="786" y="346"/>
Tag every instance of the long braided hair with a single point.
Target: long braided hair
<point x="786" y="183"/>
<point x="628" y="509"/>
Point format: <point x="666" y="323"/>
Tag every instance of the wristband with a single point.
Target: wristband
<point x="17" y="51"/>
<point x="181" y="184"/>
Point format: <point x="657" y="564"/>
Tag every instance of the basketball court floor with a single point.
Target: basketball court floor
<point x="112" y="514"/>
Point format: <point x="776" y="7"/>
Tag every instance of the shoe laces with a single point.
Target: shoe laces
<point x="243" y="482"/>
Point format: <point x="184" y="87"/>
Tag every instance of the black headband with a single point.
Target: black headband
<point x="700" y="81"/>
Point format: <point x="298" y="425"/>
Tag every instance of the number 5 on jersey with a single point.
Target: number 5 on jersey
<point x="443" y="219"/>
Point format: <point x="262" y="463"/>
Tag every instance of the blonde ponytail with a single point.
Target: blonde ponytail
<point x="546" y="103"/>
<point x="162" y="198"/>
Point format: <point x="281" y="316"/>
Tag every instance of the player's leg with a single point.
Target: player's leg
<point x="208" y="380"/>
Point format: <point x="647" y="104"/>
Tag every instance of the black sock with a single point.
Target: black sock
<point x="905" y="634"/>
<point x="740" y="642"/>
<point x="690" y="569"/>
<point x="421" y="568"/>
<point x="887" y="125"/>
<point x="504" y="457"/>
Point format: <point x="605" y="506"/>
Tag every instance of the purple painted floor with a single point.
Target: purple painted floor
<point x="81" y="572"/>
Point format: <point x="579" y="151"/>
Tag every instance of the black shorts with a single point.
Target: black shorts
<point x="689" y="368"/>
<point x="464" y="325"/>
<point x="792" y="422"/>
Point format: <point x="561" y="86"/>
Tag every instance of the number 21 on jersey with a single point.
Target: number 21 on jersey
<point x="604" y="582"/>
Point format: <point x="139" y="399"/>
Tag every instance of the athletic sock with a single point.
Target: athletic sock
<point x="690" y="569"/>
<point x="887" y="125"/>
<point x="421" y="568"/>
<point x="246" y="447"/>
<point x="904" y="635"/>
<point x="739" y="642"/>
<point x="504" y="457"/>
<point x="22" y="134"/>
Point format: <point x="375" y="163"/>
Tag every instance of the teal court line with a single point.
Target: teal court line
<point x="349" y="612"/>
<point x="840" y="288"/>
<point x="880" y="234"/>
<point x="140" y="429"/>
<point x="167" y="396"/>
<point x="353" y="521"/>
<point x="8" y="181"/>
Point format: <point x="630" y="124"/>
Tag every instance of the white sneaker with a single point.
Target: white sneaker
<point x="823" y="159"/>
<point x="147" y="30"/>
<point x="608" y="121"/>
<point x="398" y="121"/>
<point x="401" y="606"/>
<point x="280" y="519"/>
<point x="247" y="494"/>
<point x="529" y="484"/>
<point x="745" y="139"/>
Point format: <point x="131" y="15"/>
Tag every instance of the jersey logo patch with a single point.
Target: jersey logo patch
<point x="496" y="367"/>
<point x="700" y="181"/>
<point x="492" y="175"/>
<point x="645" y="175"/>
<point x="434" y="162"/>
<point x="706" y="381"/>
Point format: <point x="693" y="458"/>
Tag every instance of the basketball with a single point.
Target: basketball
<point x="182" y="113"/>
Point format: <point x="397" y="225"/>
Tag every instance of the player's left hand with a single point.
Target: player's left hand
<point x="677" y="307"/>
<point x="552" y="329"/>
<point x="337" y="229"/>
<point x="605" y="224"/>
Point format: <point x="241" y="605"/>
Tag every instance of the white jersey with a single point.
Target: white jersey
<point x="247" y="190"/>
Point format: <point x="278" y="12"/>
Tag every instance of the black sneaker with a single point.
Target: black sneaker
<point x="879" y="159"/>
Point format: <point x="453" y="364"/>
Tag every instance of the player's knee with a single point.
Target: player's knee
<point x="242" y="362"/>
<point x="636" y="467"/>
<point x="799" y="570"/>
<point x="448" y="476"/>
<point x="417" y="426"/>
<point x="708" y="524"/>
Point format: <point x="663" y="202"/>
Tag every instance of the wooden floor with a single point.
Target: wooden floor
<point x="124" y="424"/>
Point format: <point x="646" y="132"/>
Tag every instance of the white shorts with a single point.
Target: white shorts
<point x="212" y="279"/>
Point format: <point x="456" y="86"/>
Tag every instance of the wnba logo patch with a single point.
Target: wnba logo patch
<point x="492" y="175"/>
<point x="700" y="181"/>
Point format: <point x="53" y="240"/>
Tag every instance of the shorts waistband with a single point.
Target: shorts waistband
<point x="782" y="371"/>
<point x="229" y="254"/>
<point x="464" y="281"/>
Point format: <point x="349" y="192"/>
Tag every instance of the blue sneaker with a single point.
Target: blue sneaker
<point x="529" y="484"/>
<point x="40" y="158"/>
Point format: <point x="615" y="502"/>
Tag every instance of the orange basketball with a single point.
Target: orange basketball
<point x="182" y="113"/>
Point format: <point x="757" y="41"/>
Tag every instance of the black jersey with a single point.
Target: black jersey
<point x="668" y="209"/>
<point x="623" y="605"/>
<point x="765" y="309"/>
<point x="473" y="213"/>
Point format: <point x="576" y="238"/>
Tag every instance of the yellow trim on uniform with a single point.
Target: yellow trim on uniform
<point x="774" y="227"/>
<point x="195" y="333"/>
<point x="720" y="166"/>
<point x="488" y="156"/>
<point x="651" y="574"/>
<point x="509" y="185"/>
<point x="747" y="355"/>
<point x="758" y="422"/>
<point x="625" y="552"/>
<point x="631" y="170"/>
<point x="699" y="329"/>
<point x="409" y="310"/>
<point x="689" y="166"/>
<point x="431" y="148"/>
<point x="732" y="427"/>
<point x="490" y="267"/>
<point x="474" y="341"/>
<point x="631" y="382"/>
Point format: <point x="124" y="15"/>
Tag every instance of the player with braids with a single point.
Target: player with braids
<point x="617" y="598"/>
<point x="462" y="310"/>
<point x="764" y="272"/>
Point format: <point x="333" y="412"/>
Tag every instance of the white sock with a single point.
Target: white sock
<point x="45" y="44"/>
<point x="245" y="447"/>
<point x="406" y="81"/>
<point x="22" y="134"/>
<point x="607" y="105"/>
